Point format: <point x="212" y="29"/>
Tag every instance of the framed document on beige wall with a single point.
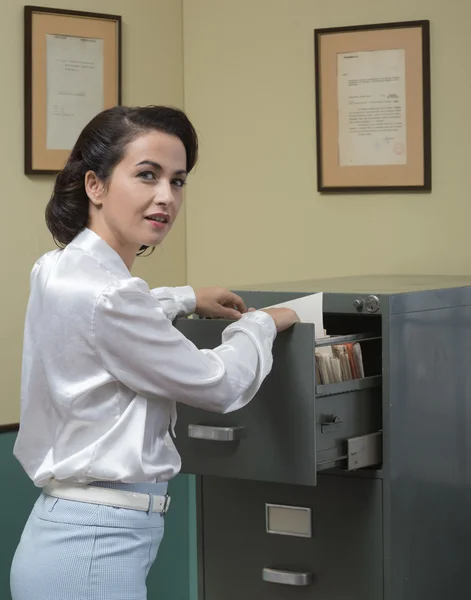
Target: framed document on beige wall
<point x="72" y="72"/>
<point x="373" y="107"/>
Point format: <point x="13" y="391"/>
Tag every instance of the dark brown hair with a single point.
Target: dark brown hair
<point x="99" y="148"/>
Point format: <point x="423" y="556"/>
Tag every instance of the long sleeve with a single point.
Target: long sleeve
<point x="176" y="301"/>
<point x="139" y="347"/>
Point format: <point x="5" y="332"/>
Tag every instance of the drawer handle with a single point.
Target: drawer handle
<point x="216" y="434"/>
<point x="287" y="577"/>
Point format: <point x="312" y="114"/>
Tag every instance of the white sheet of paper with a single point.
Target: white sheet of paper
<point x="372" y="108"/>
<point x="75" y="91"/>
<point x="309" y="309"/>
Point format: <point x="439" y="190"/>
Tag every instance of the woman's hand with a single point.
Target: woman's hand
<point x="283" y="317"/>
<point x="217" y="302"/>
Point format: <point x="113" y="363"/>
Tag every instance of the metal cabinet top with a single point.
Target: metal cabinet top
<point x="400" y="293"/>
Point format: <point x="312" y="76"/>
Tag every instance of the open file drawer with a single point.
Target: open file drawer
<point x="289" y="431"/>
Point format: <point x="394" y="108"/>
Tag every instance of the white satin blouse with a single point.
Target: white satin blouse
<point x="103" y="367"/>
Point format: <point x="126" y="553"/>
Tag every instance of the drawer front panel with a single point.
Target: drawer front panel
<point x="273" y="438"/>
<point x="342" y="559"/>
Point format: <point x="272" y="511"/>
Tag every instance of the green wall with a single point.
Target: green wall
<point x="173" y="575"/>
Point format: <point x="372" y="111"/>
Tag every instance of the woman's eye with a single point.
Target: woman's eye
<point x="179" y="182"/>
<point x="146" y="175"/>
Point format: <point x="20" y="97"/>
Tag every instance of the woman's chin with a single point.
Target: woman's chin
<point x="154" y="240"/>
<point x="154" y="234"/>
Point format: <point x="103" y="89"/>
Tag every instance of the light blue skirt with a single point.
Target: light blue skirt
<point x="78" y="551"/>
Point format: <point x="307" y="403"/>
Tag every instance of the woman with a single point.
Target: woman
<point x="103" y="367"/>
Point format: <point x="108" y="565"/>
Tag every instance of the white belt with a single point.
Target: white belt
<point x="108" y="497"/>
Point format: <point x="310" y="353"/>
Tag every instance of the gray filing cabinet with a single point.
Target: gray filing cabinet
<point x="359" y="490"/>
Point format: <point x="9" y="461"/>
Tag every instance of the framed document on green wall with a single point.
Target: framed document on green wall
<point x="373" y="108"/>
<point x="72" y="72"/>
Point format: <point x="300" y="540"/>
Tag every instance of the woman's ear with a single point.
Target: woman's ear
<point x="93" y="188"/>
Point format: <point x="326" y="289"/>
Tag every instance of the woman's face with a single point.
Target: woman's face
<point x="143" y="197"/>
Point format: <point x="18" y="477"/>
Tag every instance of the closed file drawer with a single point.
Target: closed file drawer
<point x="340" y="558"/>
<point x="292" y="428"/>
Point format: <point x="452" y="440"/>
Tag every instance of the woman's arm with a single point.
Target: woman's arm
<point x="215" y="302"/>
<point x="176" y="301"/>
<point x="139" y="346"/>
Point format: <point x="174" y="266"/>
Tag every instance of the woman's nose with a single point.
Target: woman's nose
<point x="164" y="195"/>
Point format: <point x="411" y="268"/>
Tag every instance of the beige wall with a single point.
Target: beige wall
<point x="253" y="211"/>
<point x="152" y="74"/>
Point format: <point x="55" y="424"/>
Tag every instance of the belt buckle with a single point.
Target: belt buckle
<point x="166" y="505"/>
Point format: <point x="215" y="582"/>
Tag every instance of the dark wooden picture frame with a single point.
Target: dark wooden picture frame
<point x="415" y="174"/>
<point x="40" y="22"/>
